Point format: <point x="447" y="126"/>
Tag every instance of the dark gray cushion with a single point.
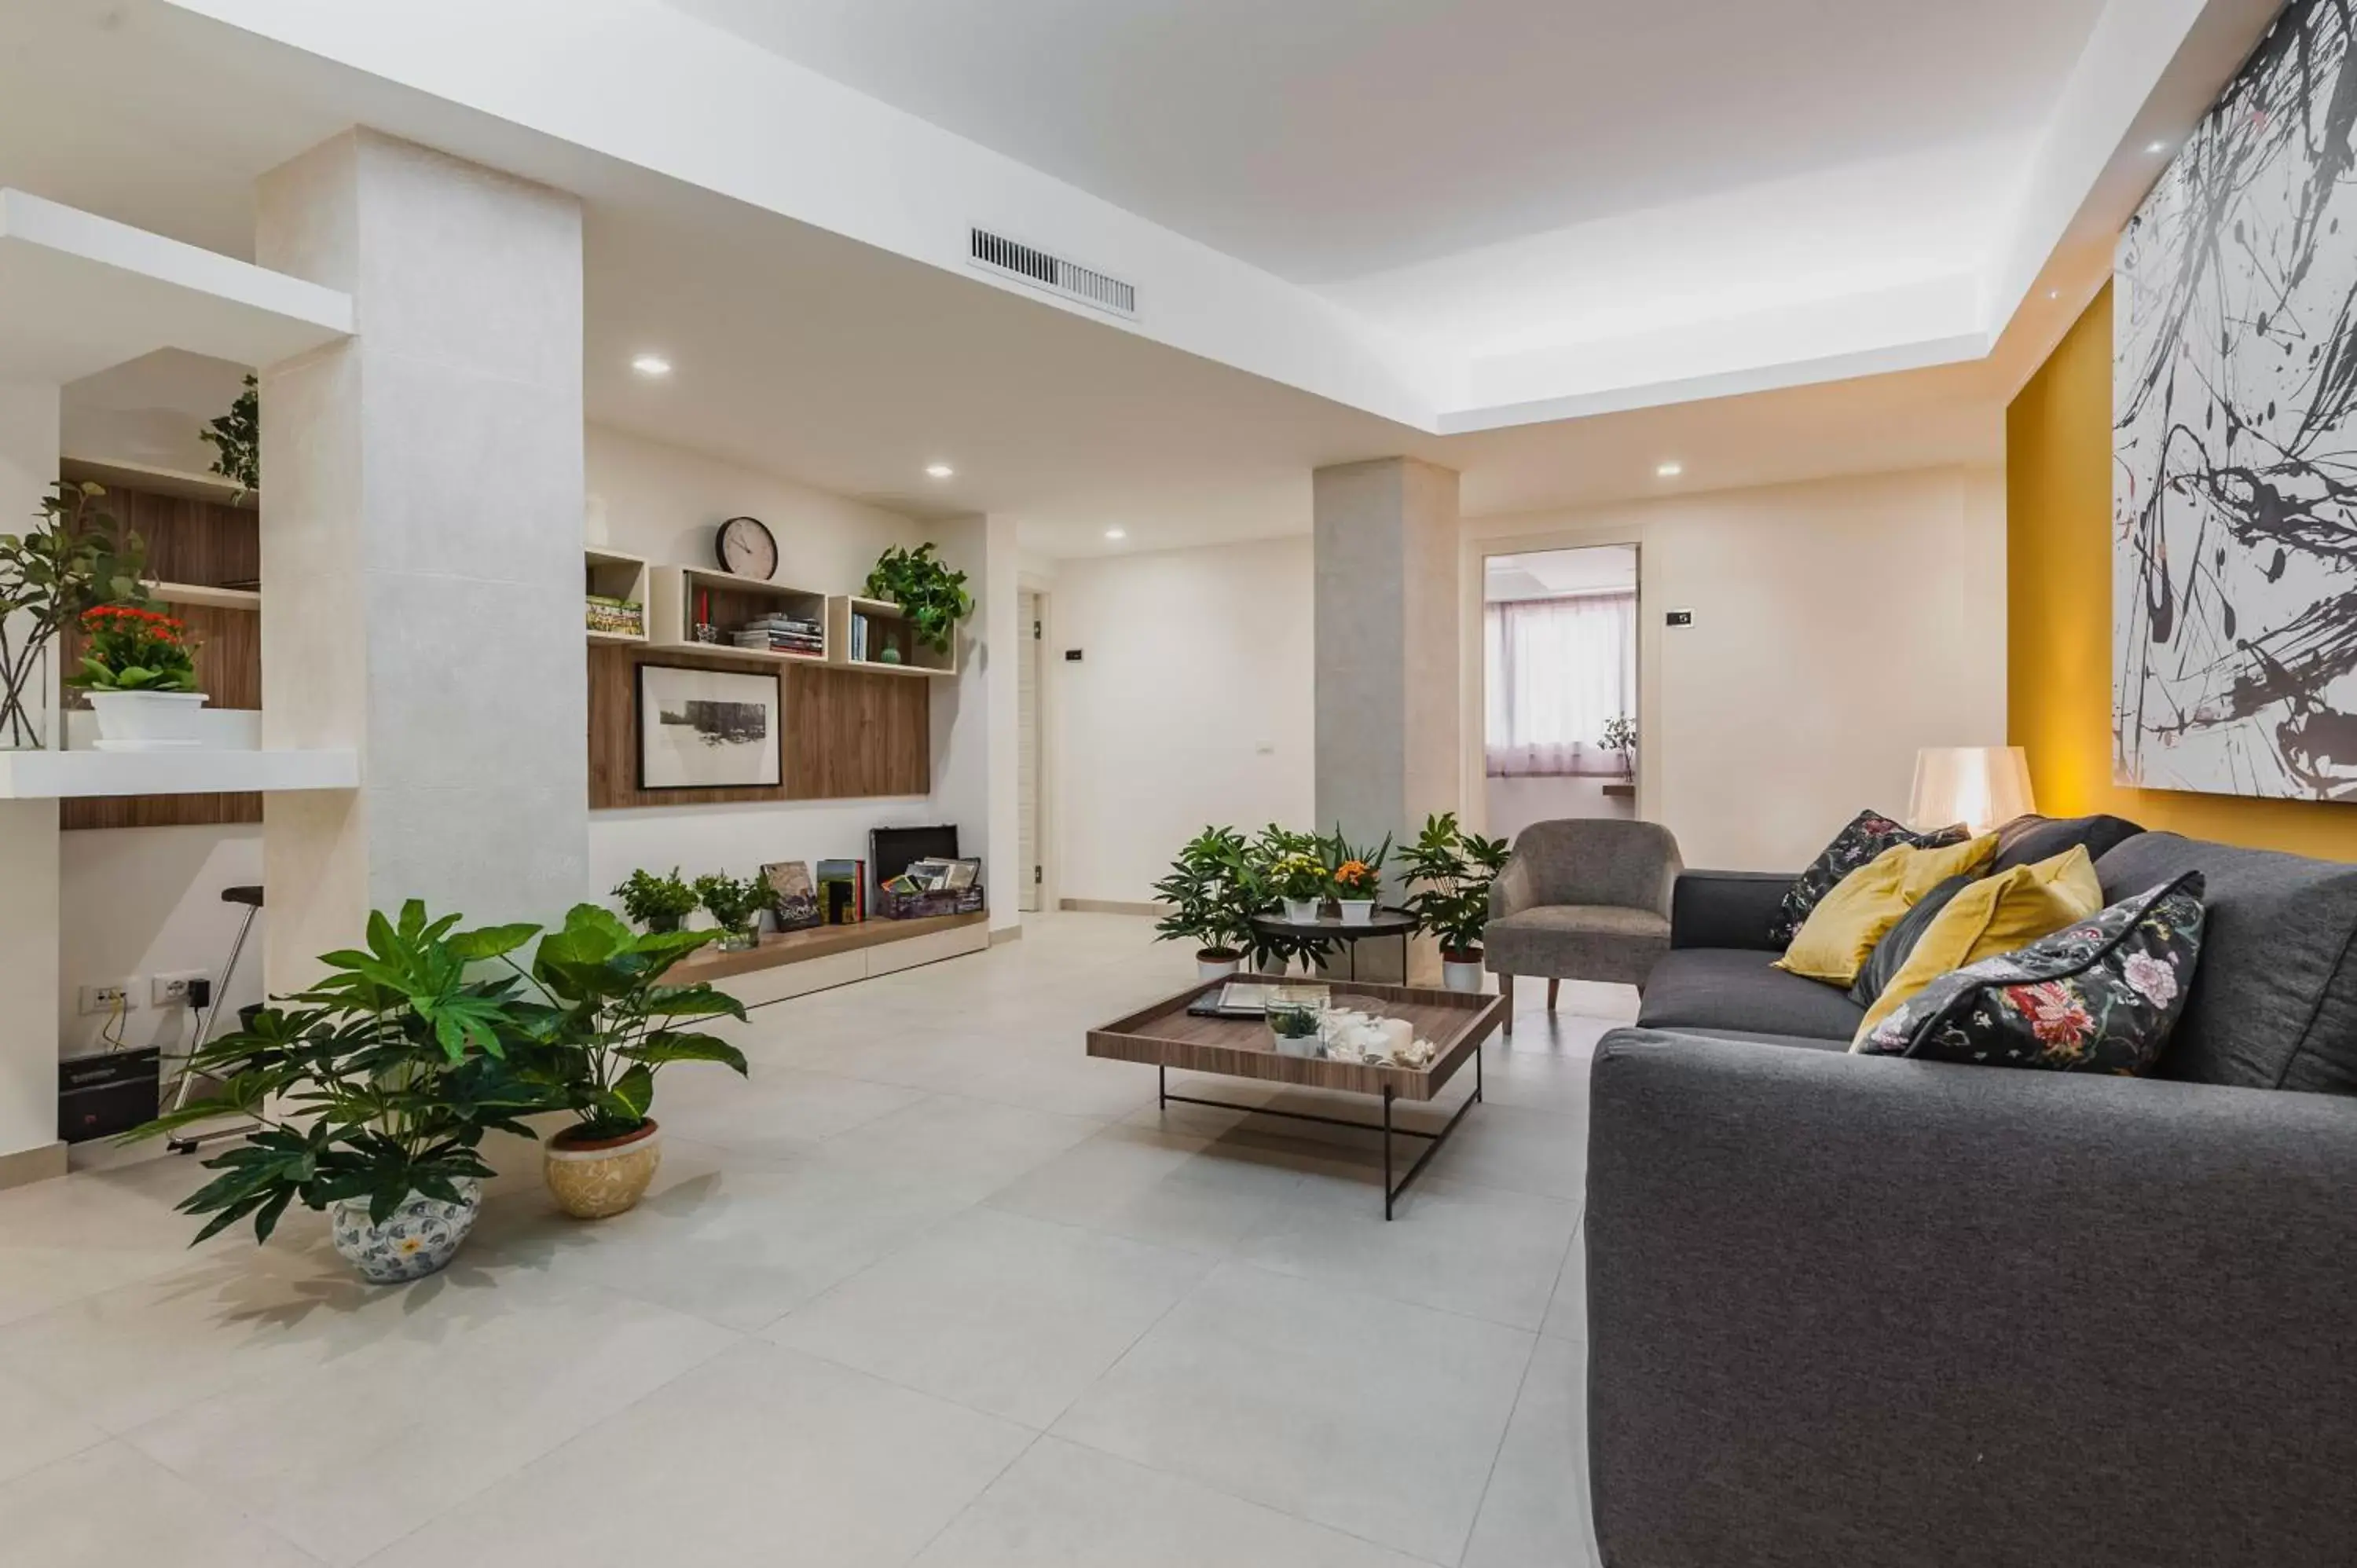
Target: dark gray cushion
<point x="1890" y="954"/>
<point x="1726" y="909"/>
<point x="2275" y="998"/>
<point x="1738" y="990"/>
<point x="2025" y="841"/>
<point x="1753" y="1037"/>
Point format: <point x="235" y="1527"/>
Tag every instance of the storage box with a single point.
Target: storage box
<point x="891" y="906"/>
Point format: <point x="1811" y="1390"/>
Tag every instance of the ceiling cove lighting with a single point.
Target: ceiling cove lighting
<point x="1117" y="533"/>
<point x="939" y="470"/>
<point x="652" y="366"/>
<point x="1669" y="470"/>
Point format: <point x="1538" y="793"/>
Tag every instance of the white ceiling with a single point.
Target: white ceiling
<point x="802" y="352"/>
<point x="1327" y="139"/>
<point x="1552" y="573"/>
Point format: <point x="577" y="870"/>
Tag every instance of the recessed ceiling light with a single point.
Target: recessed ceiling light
<point x="939" y="470"/>
<point x="1670" y="470"/>
<point x="2157" y="147"/>
<point x="1117" y="533"/>
<point x="2053" y="294"/>
<point x="651" y="365"/>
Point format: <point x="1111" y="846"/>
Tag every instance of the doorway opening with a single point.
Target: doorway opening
<point x="1030" y="609"/>
<point x="1559" y="683"/>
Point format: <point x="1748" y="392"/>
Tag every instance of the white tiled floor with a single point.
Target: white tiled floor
<point x="933" y="1288"/>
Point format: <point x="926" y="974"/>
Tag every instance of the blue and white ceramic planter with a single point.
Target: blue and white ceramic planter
<point x="420" y="1239"/>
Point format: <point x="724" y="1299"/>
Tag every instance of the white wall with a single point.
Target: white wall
<point x="1515" y="803"/>
<point x="1192" y="704"/>
<point x="1839" y="625"/>
<point x="147" y="901"/>
<point x="662" y="501"/>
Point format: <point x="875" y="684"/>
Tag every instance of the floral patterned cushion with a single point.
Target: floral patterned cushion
<point x="1867" y="835"/>
<point x="2100" y="995"/>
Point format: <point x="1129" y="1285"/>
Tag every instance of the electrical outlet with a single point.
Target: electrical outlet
<point x="172" y="990"/>
<point x="107" y="996"/>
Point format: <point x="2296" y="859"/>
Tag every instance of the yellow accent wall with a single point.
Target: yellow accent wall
<point x="2059" y="616"/>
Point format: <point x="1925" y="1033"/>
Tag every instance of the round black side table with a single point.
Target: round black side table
<point x="1330" y="928"/>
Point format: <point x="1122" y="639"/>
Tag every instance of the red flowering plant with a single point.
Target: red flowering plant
<point x="133" y="649"/>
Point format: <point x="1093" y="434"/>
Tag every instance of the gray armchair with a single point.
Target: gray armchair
<point x="1587" y="898"/>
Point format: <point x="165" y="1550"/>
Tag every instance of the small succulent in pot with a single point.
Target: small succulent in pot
<point x="735" y="904"/>
<point x="657" y="902"/>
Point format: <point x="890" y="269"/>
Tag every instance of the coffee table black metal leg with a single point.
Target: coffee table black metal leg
<point x="1388" y="1193"/>
<point x="1162" y="1089"/>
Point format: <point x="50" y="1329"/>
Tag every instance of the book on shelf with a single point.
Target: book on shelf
<point x="794" y="896"/>
<point x="624" y="616"/>
<point x="1250" y="999"/>
<point x="843" y="891"/>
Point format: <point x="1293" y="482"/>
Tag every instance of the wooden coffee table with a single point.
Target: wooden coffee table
<point x="1167" y="1036"/>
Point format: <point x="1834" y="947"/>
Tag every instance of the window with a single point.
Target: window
<point x="1557" y="671"/>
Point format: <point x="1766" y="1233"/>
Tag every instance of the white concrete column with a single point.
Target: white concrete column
<point x="1388" y="702"/>
<point x="421" y="540"/>
<point x="30" y="1149"/>
<point x="975" y="733"/>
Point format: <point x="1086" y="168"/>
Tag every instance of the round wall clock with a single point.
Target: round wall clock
<point x="746" y="549"/>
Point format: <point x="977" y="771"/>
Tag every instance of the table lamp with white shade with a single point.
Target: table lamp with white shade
<point x="1979" y="786"/>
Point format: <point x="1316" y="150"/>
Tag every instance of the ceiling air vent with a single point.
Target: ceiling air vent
<point x="1025" y="264"/>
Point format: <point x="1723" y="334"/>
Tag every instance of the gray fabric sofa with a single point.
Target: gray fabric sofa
<point x="1852" y="1310"/>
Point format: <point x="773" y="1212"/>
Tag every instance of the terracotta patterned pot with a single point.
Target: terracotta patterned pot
<point x="593" y="1180"/>
<point x="420" y="1239"/>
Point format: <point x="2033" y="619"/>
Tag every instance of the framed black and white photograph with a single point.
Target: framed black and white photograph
<point x="707" y="729"/>
<point x="2234" y="480"/>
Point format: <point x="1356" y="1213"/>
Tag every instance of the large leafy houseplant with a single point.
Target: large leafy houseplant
<point x="78" y="558"/>
<point x="1451" y="871"/>
<point x="932" y="596"/>
<point x="606" y="1021"/>
<point x="378" y="1082"/>
<point x="1213" y="892"/>
<point x="1280" y="864"/>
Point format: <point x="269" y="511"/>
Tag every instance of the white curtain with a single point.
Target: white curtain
<point x="1558" y="670"/>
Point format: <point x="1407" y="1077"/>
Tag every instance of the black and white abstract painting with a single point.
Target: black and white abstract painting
<point x="706" y="729"/>
<point x="2235" y="481"/>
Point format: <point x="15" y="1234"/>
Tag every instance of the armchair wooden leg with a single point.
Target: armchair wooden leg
<point x="1552" y="987"/>
<point x="1506" y="990"/>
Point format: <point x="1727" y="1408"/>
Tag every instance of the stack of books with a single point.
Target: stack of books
<point x="621" y="618"/>
<point x="782" y="634"/>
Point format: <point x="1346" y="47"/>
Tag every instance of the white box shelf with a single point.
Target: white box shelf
<point x="66" y="775"/>
<point x="734" y="601"/>
<point x="889" y="622"/>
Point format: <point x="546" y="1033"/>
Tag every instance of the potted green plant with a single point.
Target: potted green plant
<point x="604" y="1024"/>
<point x="933" y="596"/>
<point x="1452" y="871"/>
<point x="140" y="675"/>
<point x="1212" y="894"/>
<point x="371" y="1093"/>
<point x="1620" y="736"/>
<point x="1357" y="876"/>
<point x="658" y="903"/>
<point x="236" y="440"/>
<point x="78" y="558"/>
<point x="735" y="905"/>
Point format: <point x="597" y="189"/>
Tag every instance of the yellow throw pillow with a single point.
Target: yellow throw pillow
<point x="1996" y="915"/>
<point x="1839" y="935"/>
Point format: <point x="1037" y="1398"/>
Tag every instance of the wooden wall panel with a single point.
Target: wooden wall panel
<point x="845" y="734"/>
<point x="851" y="734"/>
<point x="189" y="541"/>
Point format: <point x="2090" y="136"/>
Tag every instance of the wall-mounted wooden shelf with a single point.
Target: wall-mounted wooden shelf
<point x="210" y="598"/>
<point x="613" y="575"/>
<point x="794" y="963"/>
<point x="887" y="627"/>
<point x="731" y="602"/>
<point x="120" y="476"/>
